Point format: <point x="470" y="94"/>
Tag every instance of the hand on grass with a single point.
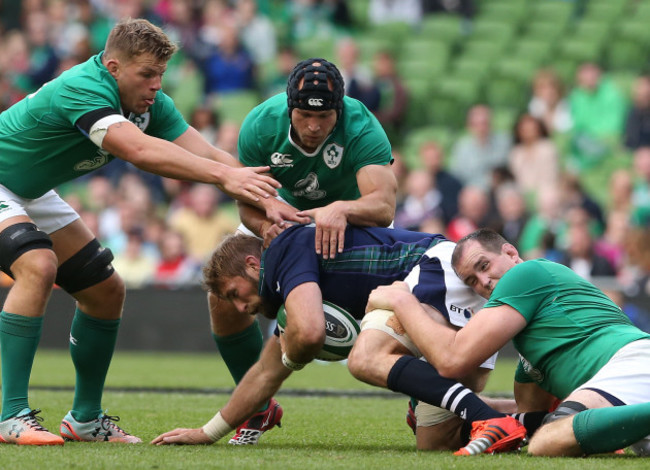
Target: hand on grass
<point x="182" y="436"/>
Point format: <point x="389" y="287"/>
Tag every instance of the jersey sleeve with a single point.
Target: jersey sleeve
<point x="523" y="288"/>
<point x="74" y="102"/>
<point x="289" y="263"/>
<point x="371" y="146"/>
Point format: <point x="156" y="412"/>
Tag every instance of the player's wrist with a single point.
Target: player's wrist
<point x="216" y="428"/>
<point x="289" y="364"/>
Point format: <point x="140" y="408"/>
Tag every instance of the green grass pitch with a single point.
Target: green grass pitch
<point x="156" y="392"/>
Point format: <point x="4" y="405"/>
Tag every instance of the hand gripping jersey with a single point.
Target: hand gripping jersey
<point x="329" y="173"/>
<point x="43" y="138"/>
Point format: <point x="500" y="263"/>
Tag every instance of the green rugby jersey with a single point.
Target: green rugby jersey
<point x="326" y="175"/>
<point x="572" y="329"/>
<point x="41" y="144"/>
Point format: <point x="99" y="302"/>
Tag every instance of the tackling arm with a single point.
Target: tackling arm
<point x="453" y="354"/>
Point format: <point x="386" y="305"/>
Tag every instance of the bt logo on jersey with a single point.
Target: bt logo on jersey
<point x="315" y="102"/>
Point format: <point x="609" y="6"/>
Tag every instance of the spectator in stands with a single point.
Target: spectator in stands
<point x="204" y="120"/>
<point x="215" y="16"/>
<point x="14" y="61"/>
<point x="511" y="212"/>
<point x="311" y="20"/>
<point x="611" y="245"/>
<point x="276" y="82"/>
<point x="389" y="11"/>
<point x="137" y="267"/>
<point x="473" y="208"/>
<point x="359" y="82"/>
<point x="475" y="155"/>
<point x="579" y="253"/>
<point x="256" y="32"/>
<point x="227" y="136"/>
<point x="598" y="110"/>
<point x="534" y="160"/>
<point x="548" y="102"/>
<point x="422" y="201"/>
<point x="574" y="194"/>
<point x="393" y="97"/>
<point x="641" y="192"/>
<point x="620" y="191"/>
<point x="43" y="61"/>
<point x="229" y="67"/>
<point x="203" y="223"/>
<point x="636" y="283"/>
<point x="544" y="224"/>
<point x="637" y="125"/>
<point x="432" y="159"/>
<point x="175" y="269"/>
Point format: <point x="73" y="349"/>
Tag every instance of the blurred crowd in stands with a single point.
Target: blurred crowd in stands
<point x="566" y="176"/>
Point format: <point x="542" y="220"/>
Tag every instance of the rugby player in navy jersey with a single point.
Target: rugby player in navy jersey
<point x="289" y="272"/>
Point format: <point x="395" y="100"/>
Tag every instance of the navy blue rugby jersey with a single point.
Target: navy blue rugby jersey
<point x="372" y="257"/>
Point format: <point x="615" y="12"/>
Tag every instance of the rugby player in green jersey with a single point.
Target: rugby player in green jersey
<point x="111" y="106"/>
<point x="333" y="160"/>
<point x="575" y="344"/>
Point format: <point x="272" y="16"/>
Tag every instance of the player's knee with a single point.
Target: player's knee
<point x="38" y="268"/>
<point x="358" y="361"/>
<point x="28" y="252"/>
<point x="90" y="266"/>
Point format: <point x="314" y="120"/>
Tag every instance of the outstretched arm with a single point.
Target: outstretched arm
<point x="172" y="159"/>
<point x="258" y="385"/>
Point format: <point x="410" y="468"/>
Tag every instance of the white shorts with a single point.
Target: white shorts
<point x="49" y="212"/>
<point x="626" y="375"/>
<point x="429" y="415"/>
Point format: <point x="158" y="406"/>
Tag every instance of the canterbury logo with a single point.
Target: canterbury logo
<point x="315" y="102"/>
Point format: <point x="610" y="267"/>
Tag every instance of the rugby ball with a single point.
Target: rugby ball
<point x="341" y="331"/>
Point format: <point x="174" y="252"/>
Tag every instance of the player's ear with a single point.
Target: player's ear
<point x="113" y="66"/>
<point x="253" y="263"/>
<point x="510" y="250"/>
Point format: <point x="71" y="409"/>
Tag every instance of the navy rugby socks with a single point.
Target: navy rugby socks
<point x="422" y="381"/>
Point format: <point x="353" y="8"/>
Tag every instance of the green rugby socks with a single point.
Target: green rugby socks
<point x="19" y="337"/>
<point x="92" y="342"/>
<point x="241" y="350"/>
<point x="603" y="430"/>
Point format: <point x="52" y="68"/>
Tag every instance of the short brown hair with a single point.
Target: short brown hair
<point x="133" y="37"/>
<point x="229" y="260"/>
<point x="487" y="238"/>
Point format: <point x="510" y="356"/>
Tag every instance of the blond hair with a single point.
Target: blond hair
<point x="229" y="260"/>
<point x="133" y="37"/>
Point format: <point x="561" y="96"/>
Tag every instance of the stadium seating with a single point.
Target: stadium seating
<point x="234" y="106"/>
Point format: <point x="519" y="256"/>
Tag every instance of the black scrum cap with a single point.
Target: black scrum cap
<point x="315" y="94"/>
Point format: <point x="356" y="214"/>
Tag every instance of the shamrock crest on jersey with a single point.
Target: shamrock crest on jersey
<point x="140" y="120"/>
<point x="332" y="155"/>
